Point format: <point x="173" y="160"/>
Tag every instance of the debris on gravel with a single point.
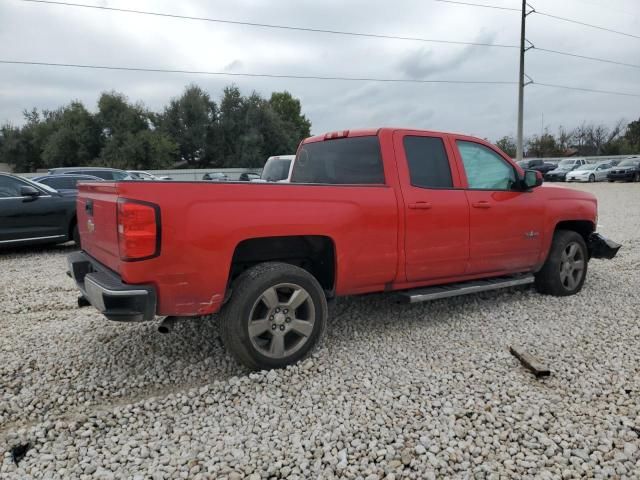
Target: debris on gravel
<point x="412" y="391"/>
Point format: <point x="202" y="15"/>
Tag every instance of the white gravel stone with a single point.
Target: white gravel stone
<point x="419" y="391"/>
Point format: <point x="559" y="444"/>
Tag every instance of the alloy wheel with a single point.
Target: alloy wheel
<point x="281" y="320"/>
<point x="572" y="263"/>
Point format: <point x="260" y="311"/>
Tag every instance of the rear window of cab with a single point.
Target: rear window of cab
<point x="340" y="161"/>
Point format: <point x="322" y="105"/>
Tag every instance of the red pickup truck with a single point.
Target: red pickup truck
<point x="422" y="214"/>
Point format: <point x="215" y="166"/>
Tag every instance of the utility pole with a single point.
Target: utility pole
<point x="519" y="146"/>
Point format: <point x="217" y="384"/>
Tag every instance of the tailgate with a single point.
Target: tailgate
<point x="97" y="222"/>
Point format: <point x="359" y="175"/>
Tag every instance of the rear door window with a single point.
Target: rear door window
<point x="354" y="161"/>
<point x="428" y="163"/>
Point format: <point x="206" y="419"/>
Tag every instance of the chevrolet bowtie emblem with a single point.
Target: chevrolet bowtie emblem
<point x="531" y="234"/>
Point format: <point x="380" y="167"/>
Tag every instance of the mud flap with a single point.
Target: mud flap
<point x="602" y="247"/>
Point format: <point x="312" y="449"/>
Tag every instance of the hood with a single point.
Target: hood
<point x="560" y="170"/>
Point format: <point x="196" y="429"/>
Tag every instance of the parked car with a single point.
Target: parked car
<point x="537" y="164"/>
<point x="141" y="175"/>
<point x="559" y="174"/>
<point x="33" y="213"/>
<point x="66" y="184"/>
<point x="627" y="170"/>
<point x="278" y="168"/>
<point x="423" y="214"/>
<point x="215" y="176"/>
<point x="112" y="174"/>
<point x="248" y="177"/>
<point x="589" y="172"/>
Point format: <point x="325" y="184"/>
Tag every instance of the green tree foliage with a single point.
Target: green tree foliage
<point x="507" y="145"/>
<point x="192" y="131"/>
<point x="187" y="120"/>
<point x="130" y="137"/>
<point x="631" y="137"/>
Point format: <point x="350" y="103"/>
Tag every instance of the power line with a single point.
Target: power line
<point x="305" y="77"/>
<point x="584" y="24"/>
<point x="358" y="34"/>
<point x="584" y="57"/>
<point x="496" y="7"/>
<point x="266" y="75"/>
<point x="267" y="25"/>
<point x="567" y="87"/>
<point x="544" y="14"/>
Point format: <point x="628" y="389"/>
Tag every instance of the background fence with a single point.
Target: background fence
<point x="189" y="175"/>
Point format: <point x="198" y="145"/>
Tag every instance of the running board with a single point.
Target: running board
<point x="463" y="288"/>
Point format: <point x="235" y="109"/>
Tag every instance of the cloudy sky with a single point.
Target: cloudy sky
<point x="52" y="33"/>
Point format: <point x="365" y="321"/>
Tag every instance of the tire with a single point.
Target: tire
<point x="609" y="180"/>
<point x="279" y="336"/>
<point x="75" y="235"/>
<point x="592" y="178"/>
<point x="561" y="274"/>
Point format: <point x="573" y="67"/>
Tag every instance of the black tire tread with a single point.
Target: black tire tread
<point x="243" y="287"/>
<point x="547" y="280"/>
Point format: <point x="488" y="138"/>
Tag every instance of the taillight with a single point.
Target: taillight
<point x="138" y="230"/>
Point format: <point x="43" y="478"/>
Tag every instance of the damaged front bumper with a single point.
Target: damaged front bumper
<point x="601" y="247"/>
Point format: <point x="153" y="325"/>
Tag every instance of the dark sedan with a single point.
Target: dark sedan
<point x="31" y="213"/>
<point x="67" y="184"/>
<point x="627" y="170"/>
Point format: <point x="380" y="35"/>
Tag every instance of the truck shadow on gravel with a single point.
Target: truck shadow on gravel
<point x="17" y="251"/>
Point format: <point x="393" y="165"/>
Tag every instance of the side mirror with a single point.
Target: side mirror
<point x="532" y="178"/>
<point x="29" y="192"/>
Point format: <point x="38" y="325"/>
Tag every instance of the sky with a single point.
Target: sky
<point x="60" y="34"/>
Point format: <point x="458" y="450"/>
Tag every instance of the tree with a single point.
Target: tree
<point x="543" y="146"/>
<point x="192" y="130"/>
<point x="289" y="110"/>
<point x="188" y="120"/>
<point x="73" y="139"/>
<point x="632" y="136"/>
<point x="508" y="145"/>
<point x="130" y="138"/>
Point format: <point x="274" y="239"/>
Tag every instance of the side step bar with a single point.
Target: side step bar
<point x="463" y="288"/>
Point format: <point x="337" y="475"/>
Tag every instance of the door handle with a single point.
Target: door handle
<point x="481" y="204"/>
<point x="420" y="206"/>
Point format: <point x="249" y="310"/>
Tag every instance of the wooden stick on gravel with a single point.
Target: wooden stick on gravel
<point x="530" y="362"/>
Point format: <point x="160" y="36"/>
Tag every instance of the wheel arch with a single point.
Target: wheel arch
<point x="314" y="253"/>
<point x="583" y="227"/>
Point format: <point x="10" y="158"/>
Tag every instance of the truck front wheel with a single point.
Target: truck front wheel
<point x="276" y="315"/>
<point x="565" y="270"/>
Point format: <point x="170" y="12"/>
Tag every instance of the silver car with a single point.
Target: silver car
<point x="590" y="172"/>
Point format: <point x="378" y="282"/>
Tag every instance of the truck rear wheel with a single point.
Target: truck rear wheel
<point x="276" y="315"/>
<point x="565" y="270"/>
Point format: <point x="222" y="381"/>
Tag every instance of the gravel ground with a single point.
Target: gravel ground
<point x="422" y="391"/>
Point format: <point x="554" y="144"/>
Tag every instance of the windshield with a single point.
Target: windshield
<point x="586" y="166"/>
<point x="566" y="163"/>
<point x="276" y="169"/>
<point x="631" y="162"/>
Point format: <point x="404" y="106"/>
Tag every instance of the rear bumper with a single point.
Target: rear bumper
<point x="602" y="247"/>
<point x="105" y="290"/>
